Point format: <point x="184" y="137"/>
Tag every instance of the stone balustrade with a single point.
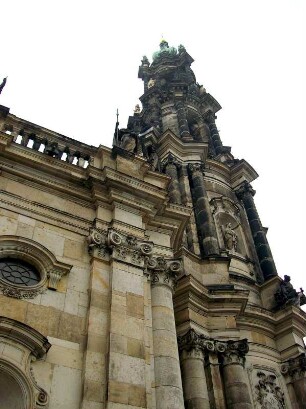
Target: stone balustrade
<point x="53" y="145"/>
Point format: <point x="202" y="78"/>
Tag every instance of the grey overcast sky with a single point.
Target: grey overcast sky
<point x="70" y="64"/>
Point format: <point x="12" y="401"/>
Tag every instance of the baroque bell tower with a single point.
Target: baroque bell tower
<point x="239" y="325"/>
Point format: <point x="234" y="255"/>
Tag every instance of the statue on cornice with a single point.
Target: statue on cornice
<point x="287" y="295"/>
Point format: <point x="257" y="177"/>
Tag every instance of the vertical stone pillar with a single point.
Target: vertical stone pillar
<point x="182" y="120"/>
<point x="192" y="347"/>
<point x="203" y="213"/>
<point x="191" y="230"/>
<point x="245" y="193"/>
<point x="171" y="169"/>
<point x="232" y="355"/>
<point x="214" y="381"/>
<point x="168" y="383"/>
<point x="296" y="369"/>
<point x="214" y="133"/>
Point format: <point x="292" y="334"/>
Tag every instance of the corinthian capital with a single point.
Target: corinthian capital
<point x="194" y="341"/>
<point x="171" y="160"/>
<point x="295" y="367"/>
<point x="163" y="271"/>
<point x="119" y="246"/>
<point x="245" y="189"/>
<point x="232" y="352"/>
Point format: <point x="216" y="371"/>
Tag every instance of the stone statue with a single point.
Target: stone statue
<point x="230" y="237"/>
<point x="181" y="49"/>
<point x="128" y="142"/>
<point x="137" y="109"/>
<point x="151" y="83"/>
<point x="287" y="295"/>
<point x="154" y="159"/>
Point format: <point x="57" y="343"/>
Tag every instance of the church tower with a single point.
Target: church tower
<point x="140" y="276"/>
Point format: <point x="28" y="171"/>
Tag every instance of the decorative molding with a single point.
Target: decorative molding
<point x="20" y="293"/>
<point x="27" y="345"/>
<point x="170" y="159"/>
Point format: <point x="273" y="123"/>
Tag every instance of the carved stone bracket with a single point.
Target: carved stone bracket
<point x="163" y="271"/>
<point x="110" y="243"/>
<point x="295" y="367"/>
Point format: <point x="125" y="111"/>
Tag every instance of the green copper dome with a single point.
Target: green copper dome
<point x="165" y="50"/>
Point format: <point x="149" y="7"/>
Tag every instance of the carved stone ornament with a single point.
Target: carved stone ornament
<point x="232" y="352"/>
<point x="163" y="271"/>
<point x="196" y="168"/>
<point x="110" y="243"/>
<point x="268" y="394"/>
<point x="192" y="340"/>
<point x="224" y="205"/>
<point x="295" y="367"/>
<point x="21" y="293"/>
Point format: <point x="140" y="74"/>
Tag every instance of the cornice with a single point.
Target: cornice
<point x="45" y="213"/>
<point x="184" y="151"/>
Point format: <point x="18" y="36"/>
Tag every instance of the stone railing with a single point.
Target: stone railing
<point x="52" y="144"/>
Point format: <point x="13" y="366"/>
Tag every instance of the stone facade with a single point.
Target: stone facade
<point x="140" y="276"/>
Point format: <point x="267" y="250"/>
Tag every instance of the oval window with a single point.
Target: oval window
<point x="18" y="272"/>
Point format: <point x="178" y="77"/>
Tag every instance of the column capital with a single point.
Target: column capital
<point x="196" y="167"/>
<point x="295" y="367"/>
<point x="194" y="341"/>
<point x="109" y="243"/>
<point x="244" y="189"/>
<point x="171" y="160"/>
<point x="162" y="271"/>
<point x="232" y="352"/>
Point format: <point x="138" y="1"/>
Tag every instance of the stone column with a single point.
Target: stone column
<point x="232" y="354"/>
<point x="296" y="369"/>
<point x="214" y="133"/>
<point x="191" y="230"/>
<point x="182" y="120"/>
<point x="171" y="169"/>
<point x="192" y="347"/>
<point x="168" y="382"/>
<point x="245" y="193"/>
<point x="203" y="213"/>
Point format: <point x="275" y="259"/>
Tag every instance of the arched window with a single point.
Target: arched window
<point x="20" y="346"/>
